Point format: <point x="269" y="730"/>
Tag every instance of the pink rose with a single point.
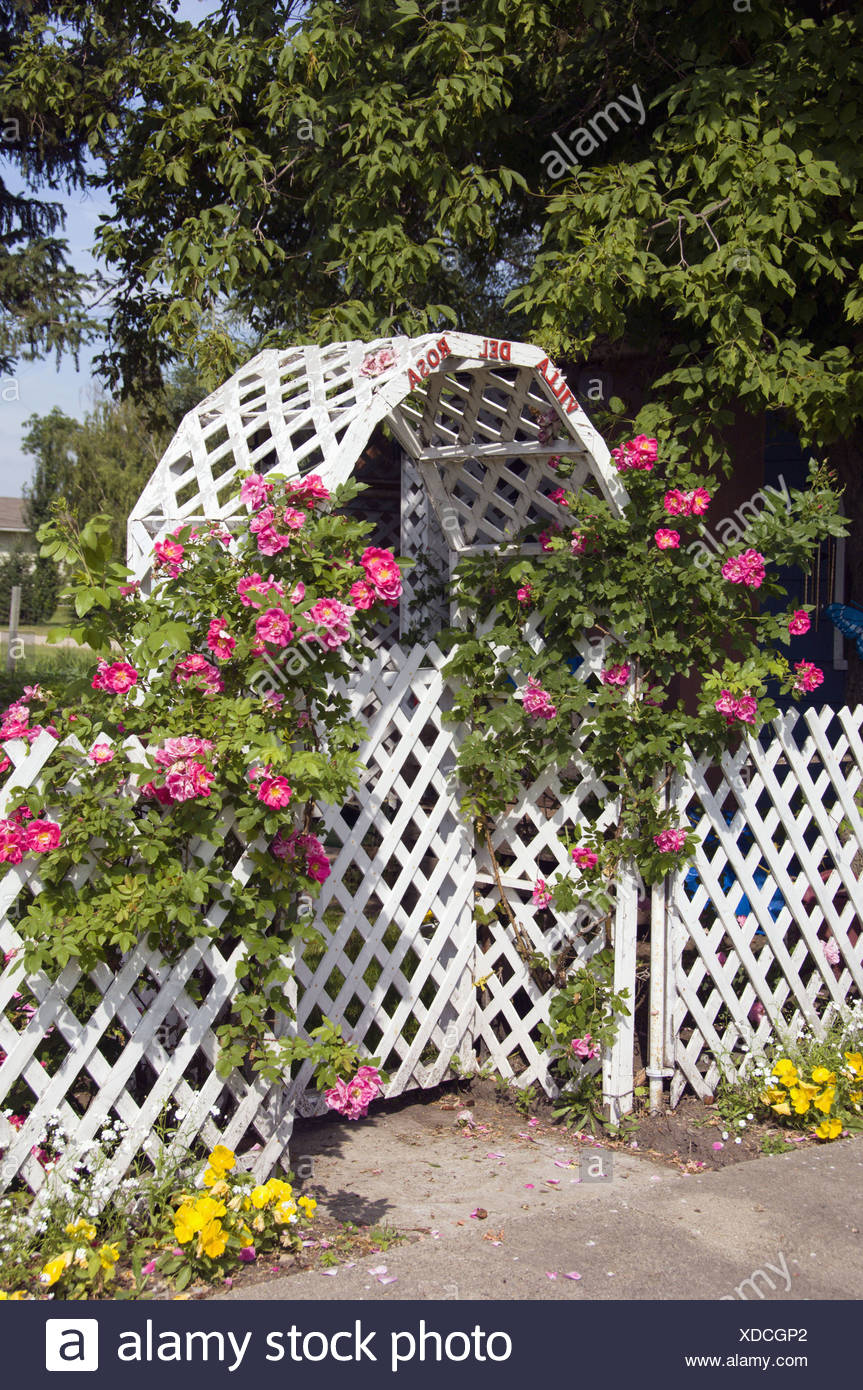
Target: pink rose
<point x="176" y="749"/>
<point x="198" y="672"/>
<point x="308" y="491"/>
<point x="298" y="593"/>
<point x="537" y="702"/>
<point x="559" y="496"/>
<point x="809" y="677"/>
<point x="376" y="362"/>
<point x="118" y="677"/>
<point x="615" y="675"/>
<point x="799" y="623"/>
<point x="219" y="640"/>
<point x="585" y="858"/>
<point x="11" y="842"/>
<point x="101" y="753"/>
<point x="188" y="779"/>
<point x="747" y="707"/>
<point x="747" y="569"/>
<point x="274" y="626"/>
<point x="362" y="594"/>
<point x="585" y="1048"/>
<point x="254" y="583"/>
<point x="275" y="792"/>
<point x="578" y="543"/>
<point x="699" y="501"/>
<point x="334" y="618"/>
<point x="675" y="502"/>
<point x="670" y="841"/>
<point x="830" y="947"/>
<point x="667" y="540"/>
<point x="383" y="573"/>
<point x="524" y="593"/>
<point x="270" y="542"/>
<point x="254" y="492"/>
<point x="168" y="552"/>
<point x="41" y="836"/>
<point x="541" y="893"/>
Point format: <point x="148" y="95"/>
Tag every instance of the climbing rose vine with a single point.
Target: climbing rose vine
<point x="626" y="610"/>
<point x="211" y="697"/>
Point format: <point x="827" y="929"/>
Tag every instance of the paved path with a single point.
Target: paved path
<point x="644" y="1232"/>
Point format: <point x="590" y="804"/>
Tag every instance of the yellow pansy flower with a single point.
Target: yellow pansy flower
<point x="216" y="1183"/>
<point x="56" y="1268"/>
<point x="260" y="1197"/>
<point x="308" y="1204"/>
<point x="799" y="1100"/>
<point x="786" y="1071"/>
<point x="825" y="1099"/>
<point x="213" y="1240"/>
<point x="855" y="1062"/>
<point x="772" y="1096"/>
<point x="284" y="1212"/>
<point x="823" y="1077"/>
<point x="277" y="1187"/>
<point x="259" y="1223"/>
<point x="15" y="1297"/>
<point x="855" y="1097"/>
<point x="108" y="1256"/>
<point x="81" y="1228"/>
<point x="829" y="1129"/>
<point x="222" y="1158"/>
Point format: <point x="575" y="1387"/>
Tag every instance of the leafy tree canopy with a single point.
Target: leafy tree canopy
<point x="356" y="169"/>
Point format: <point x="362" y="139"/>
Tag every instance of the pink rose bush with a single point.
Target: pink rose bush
<point x="584" y="1048"/>
<point x="353" y="1098"/>
<point x="616" y="675"/>
<point x="584" y="858"/>
<point x="541" y="896"/>
<point x="799" y="623"/>
<point x="208" y="730"/>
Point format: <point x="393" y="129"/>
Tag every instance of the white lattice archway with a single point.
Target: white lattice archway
<point x="478" y="419"/>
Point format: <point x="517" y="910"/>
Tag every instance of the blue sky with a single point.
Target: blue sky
<point x="40" y="386"/>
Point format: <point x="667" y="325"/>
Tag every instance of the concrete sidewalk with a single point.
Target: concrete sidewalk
<point x="790" y="1223"/>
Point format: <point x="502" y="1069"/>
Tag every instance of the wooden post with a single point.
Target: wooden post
<point x="14" y="616"/>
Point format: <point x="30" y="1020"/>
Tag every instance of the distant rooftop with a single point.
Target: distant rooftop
<point x="12" y="514"/>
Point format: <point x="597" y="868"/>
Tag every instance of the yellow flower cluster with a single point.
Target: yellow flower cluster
<point x="17" y="1297"/>
<point x="215" y="1215"/>
<point x="793" y="1095"/>
<point x="54" y="1270"/>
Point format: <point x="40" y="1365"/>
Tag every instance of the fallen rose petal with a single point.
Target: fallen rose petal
<point x="549" y="1275"/>
<point x="329" y="1272"/>
<point x="528" y="1184"/>
<point x="149" y="1267"/>
<point x="559" y="1164"/>
<point x="491" y="1155"/>
<point x="387" y="1278"/>
<point x="717" y="1144"/>
<point x="555" y="1182"/>
<point x="573" y="1274"/>
<point x="533" y="1122"/>
<point x="378" y="1269"/>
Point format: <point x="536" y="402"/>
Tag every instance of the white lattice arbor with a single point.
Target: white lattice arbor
<point x="466" y="410"/>
<point x="480" y="423"/>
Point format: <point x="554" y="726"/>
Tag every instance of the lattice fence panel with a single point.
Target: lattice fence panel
<point x="397" y="910"/>
<point x="139" y="1041"/>
<point x="773" y="883"/>
<point x="530" y="842"/>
